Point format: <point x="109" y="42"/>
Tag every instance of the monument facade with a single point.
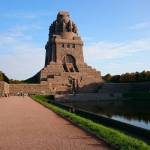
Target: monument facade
<point x="65" y="69"/>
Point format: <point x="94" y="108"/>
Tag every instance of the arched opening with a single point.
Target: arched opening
<point x="69" y="64"/>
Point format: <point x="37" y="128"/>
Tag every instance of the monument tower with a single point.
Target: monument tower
<point x="65" y="68"/>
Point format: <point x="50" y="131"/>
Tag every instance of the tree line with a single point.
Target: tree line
<point x="34" y="79"/>
<point x="143" y="76"/>
<point x="3" y="77"/>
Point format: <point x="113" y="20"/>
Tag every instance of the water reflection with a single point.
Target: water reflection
<point x="133" y="112"/>
<point x="134" y="122"/>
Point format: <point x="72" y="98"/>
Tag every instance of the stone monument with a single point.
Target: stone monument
<point x="65" y="69"/>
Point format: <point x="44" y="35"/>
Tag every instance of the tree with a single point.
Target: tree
<point x="143" y="76"/>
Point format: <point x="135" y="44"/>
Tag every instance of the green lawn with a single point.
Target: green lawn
<point x="113" y="137"/>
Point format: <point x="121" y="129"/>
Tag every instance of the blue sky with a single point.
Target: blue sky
<point x="116" y="34"/>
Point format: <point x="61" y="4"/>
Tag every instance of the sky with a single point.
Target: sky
<point x="116" y="34"/>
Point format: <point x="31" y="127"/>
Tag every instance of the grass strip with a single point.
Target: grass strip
<point x="113" y="137"/>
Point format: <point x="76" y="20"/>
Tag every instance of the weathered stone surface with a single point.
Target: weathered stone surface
<point x="87" y="97"/>
<point x="29" y="89"/>
<point x="4" y="88"/>
<point x="125" y="87"/>
<point x="1" y="87"/>
<point x="64" y="64"/>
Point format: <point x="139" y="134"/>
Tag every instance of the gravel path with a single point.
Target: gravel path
<point x="26" y="125"/>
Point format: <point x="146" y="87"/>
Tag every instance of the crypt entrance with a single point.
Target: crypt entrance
<point x="69" y="64"/>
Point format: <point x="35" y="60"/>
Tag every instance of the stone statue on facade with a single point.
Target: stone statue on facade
<point x="62" y="24"/>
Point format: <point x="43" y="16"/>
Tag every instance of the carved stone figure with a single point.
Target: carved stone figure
<point x="62" y="24"/>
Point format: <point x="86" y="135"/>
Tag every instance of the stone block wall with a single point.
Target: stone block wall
<point x="124" y="87"/>
<point x="76" y="52"/>
<point x="1" y="87"/>
<point x="38" y="89"/>
<point x="4" y="88"/>
<point x="87" y="97"/>
<point x="88" y="79"/>
<point x="107" y="90"/>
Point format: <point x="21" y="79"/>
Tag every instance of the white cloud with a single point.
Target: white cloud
<point x="141" y="26"/>
<point x="20" y="58"/>
<point x="113" y="57"/>
<point x="113" y="50"/>
<point x="26" y="15"/>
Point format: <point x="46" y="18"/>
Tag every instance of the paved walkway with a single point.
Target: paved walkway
<point x="26" y="125"/>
